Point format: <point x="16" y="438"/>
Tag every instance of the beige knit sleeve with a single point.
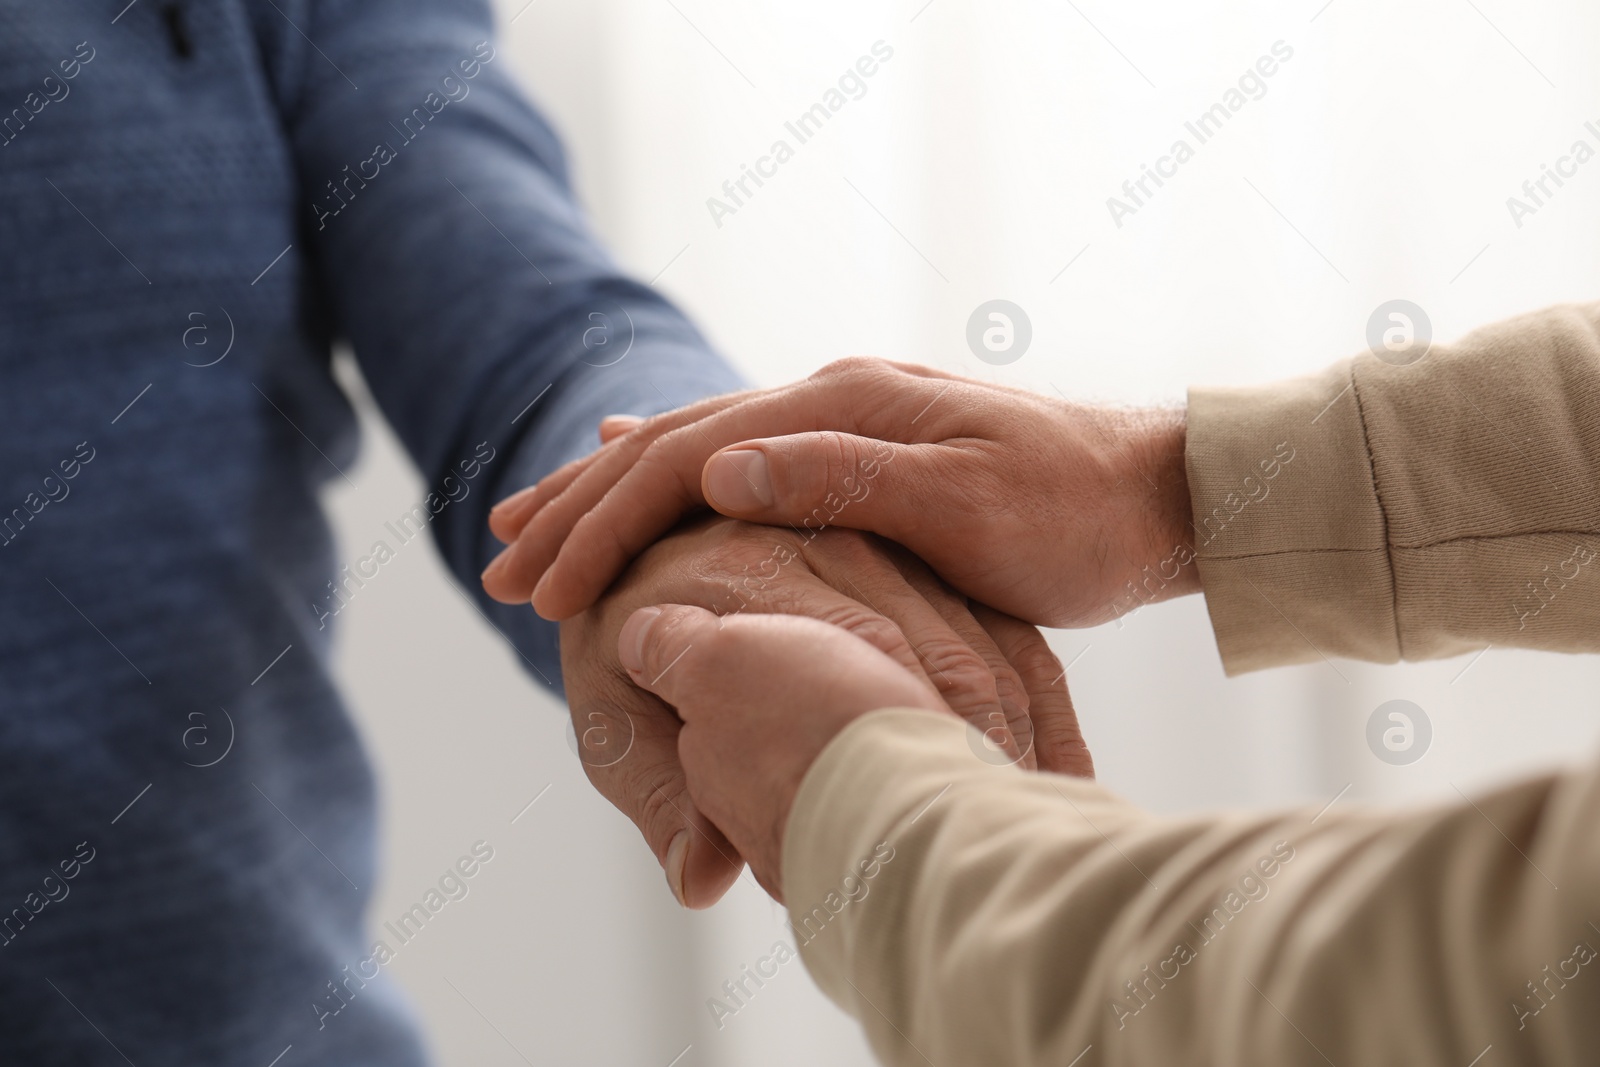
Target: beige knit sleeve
<point x="973" y="915"/>
<point x="1387" y="512"/>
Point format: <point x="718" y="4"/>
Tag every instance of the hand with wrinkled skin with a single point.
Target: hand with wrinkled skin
<point x="991" y="669"/>
<point x="760" y="697"/>
<point x="1057" y="513"/>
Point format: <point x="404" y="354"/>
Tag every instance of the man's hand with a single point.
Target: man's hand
<point x="991" y="669"/>
<point x="760" y="697"/>
<point x="1060" y="514"/>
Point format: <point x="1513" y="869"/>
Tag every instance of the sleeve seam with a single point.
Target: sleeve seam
<point x="1383" y="513"/>
<point x="1418" y="546"/>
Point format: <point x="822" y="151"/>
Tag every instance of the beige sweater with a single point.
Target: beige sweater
<point x="970" y="914"/>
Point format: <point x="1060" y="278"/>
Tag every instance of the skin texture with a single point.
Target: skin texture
<point x="993" y="670"/>
<point x="760" y="697"/>
<point x="1052" y="512"/>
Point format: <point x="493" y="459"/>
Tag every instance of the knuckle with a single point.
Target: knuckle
<point x="670" y="442"/>
<point x="944" y="600"/>
<point x="1034" y="659"/>
<point x="1062" y="746"/>
<point x="740" y="567"/>
<point x="655" y="425"/>
<point x="1009" y="684"/>
<point x="877" y="630"/>
<point x="660" y="803"/>
<point x="671" y="632"/>
<point x="716" y="643"/>
<point x="851" y="548"/>
<point x="731" y="554"/>
<point x="958" y="671"/>
<point x="857" y="367"/>
<point x="1063" y="731"/>
<point x="658" y="466"/>
<point x="839" y="458"/>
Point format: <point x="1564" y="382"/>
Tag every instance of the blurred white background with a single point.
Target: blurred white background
<point x="976" y="166"/>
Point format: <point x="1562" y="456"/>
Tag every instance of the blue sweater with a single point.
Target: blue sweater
<point x="197" y="199"/>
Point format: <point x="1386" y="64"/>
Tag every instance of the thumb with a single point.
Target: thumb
<point x="707" y="665"/>
<point x="655" y="640"/>
<point x="822" y="479"/>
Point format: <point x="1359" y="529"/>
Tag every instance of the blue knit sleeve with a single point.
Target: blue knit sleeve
<point x="451" y="254"/>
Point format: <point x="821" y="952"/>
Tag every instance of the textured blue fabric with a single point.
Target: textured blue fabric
<point x="173" y="178"/>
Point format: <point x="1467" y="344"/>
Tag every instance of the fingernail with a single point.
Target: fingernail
<point x="677" y="860"/>
<point x="630" y="643"/>
<point x="512" y="499"/>
<point x="739" y="480"/>
<point x="495" y="566"/>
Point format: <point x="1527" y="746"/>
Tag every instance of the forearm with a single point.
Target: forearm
<point x="999" y="917"/>
<point x="561" y="428"/>
<point x="454" y="258"/>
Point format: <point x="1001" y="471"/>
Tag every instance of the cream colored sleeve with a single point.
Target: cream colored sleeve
<point x="1407" y="512"/>
<point x="970" y="915"/>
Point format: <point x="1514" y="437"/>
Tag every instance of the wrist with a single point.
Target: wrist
<point x="1161" y="519"/>
<point x="1173" y="511"/>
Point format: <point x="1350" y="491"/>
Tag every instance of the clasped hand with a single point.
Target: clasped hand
<point x="1030" y="507"/>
